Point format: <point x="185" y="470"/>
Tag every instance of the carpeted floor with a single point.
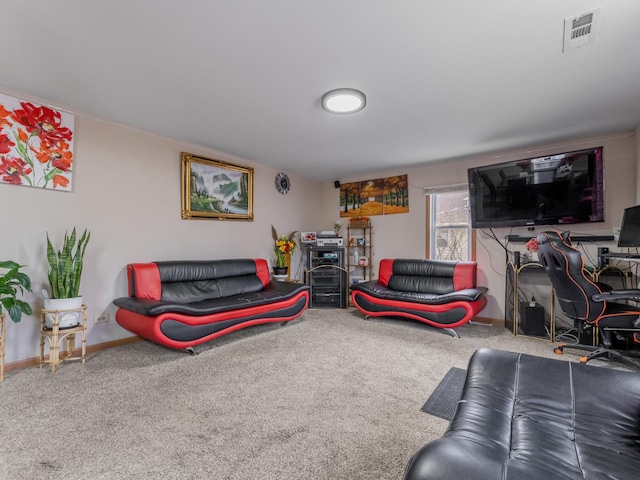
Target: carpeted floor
<point x="329" y="396"/>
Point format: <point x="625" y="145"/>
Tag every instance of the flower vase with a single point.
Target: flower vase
<point x="280" y="273"/>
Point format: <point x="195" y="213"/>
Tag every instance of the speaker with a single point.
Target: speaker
<point x="337" y="183"/>
<point x="532" y="319"/>
<point x="603" y="261"/>
<point x="516" y="259"/>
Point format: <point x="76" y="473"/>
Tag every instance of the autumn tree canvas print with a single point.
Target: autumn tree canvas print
<point x="36" y="145"/>
<point x="381" y="196"/>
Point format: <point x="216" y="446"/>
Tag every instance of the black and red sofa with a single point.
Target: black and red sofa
<point x="439" y="293"/>
<point x="524" y="417"/>
<point x="185" y="303"/>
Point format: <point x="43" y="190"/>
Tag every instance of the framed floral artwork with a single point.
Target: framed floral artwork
<point x="36" y="145"/>
<point x="215" y="189"/>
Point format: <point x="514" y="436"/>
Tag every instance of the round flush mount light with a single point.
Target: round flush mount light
<point x="344" y="101"/>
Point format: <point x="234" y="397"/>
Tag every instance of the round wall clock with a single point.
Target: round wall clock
<point x="283" y="183"/>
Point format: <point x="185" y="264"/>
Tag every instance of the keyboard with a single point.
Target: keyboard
<point x="620" y="255"/>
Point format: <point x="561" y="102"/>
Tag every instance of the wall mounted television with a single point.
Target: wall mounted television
<point x="565" y="188"/>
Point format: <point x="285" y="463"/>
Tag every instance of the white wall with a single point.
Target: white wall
<point x="126" y="190"/>
<point x="638" y="165"/>
<point x="403" y="235"/>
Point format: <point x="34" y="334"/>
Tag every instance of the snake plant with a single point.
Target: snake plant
<point x="66" y="265"/>
<point x="11" y="282"/>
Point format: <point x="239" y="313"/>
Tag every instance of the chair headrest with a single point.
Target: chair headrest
<point x="554" y="237"/>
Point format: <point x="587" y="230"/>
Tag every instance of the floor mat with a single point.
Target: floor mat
<point x="444" y="400"/>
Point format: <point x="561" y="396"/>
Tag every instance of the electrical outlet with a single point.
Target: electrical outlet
<point x="102" y="318"/>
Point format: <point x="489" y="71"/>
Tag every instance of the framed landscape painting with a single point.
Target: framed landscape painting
<point x="215" y="189"/>
<point x="380" y="196"/>
<point x="36" y="145"/>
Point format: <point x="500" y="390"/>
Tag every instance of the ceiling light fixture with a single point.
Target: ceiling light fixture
<point x="344" y="101"/>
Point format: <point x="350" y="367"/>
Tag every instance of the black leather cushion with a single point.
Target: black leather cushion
<point x="193" y="270"/>
<point x="422" y="276"/>
<point x="523" y="417"/>
<point x="194" y="281"/>
<point x="273" y="292"/>
<point x="424" y="267"/>
<point x="378" y="290"/>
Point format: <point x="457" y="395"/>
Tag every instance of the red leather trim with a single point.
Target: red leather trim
<point x="472" y="309"/>
<point x="149" y="327"/>
<point x="144" y="281"/>
<point x="262" y="271"/>
<point x="464" y="275"/>
<point x="385" y="271"/>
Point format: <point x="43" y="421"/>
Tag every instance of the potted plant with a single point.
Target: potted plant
<point x="12" y="282"/>
<point x="283" y="247"/>
<point x="64" y="278"/>
<point x="359" y="221"/>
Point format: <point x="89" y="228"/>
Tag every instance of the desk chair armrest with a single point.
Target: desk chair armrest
<point x="633" y="294"/>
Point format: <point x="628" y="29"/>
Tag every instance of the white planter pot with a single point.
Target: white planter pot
<point x="65" y="319"/>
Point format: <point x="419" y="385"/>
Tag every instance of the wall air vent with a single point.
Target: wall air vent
<point x="580" y="30"/>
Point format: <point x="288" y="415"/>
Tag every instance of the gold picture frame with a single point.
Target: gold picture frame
<point x="213" y="189"/>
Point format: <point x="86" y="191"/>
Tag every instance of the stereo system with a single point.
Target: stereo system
<point x="329" y="241"/>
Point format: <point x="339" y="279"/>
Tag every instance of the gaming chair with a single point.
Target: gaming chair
<point x="590" y="304"/>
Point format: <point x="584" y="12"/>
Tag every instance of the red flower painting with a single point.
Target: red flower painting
<point x="36" y="145"/>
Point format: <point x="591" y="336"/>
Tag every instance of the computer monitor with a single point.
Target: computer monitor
<point x="630" y="228"/>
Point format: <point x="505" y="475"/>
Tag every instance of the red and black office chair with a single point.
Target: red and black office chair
<point x="590" y="304"/>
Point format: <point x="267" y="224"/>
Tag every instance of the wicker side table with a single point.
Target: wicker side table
<point x="57" y="336"/>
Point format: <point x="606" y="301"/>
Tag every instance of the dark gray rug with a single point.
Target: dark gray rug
<point x="444" y="400"/>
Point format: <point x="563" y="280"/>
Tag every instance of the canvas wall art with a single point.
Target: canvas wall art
<point x="381" y="196"/>
<point x="36" y="145"/>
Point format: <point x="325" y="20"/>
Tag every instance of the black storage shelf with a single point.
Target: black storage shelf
<point x="326" y="276"/>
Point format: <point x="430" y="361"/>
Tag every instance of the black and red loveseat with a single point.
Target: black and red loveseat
<point x="440" y="293"/>
<point x="185" y="303"/>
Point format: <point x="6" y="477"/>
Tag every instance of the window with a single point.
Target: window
<point x="450" y="233"/>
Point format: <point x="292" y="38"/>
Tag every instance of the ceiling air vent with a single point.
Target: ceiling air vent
<point x="581" y="30"/>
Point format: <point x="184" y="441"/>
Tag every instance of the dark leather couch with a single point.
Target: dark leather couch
<point x="440" y="293"/>
<point x="530" y="418"/>
<point x="185" y="303"/>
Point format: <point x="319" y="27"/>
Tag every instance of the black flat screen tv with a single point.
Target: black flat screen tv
<point x="565" y="188"/>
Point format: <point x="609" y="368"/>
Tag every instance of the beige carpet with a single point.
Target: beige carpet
<point x="329" y="396"/>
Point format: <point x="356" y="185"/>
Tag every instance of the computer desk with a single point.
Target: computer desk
<point x="631" y="258"/>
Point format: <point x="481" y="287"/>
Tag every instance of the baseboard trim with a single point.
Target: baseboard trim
<point x="498" y="322"/>
<point x="31" y="362"/>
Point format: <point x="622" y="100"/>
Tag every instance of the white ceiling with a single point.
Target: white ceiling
<point x="443" y="79"/>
